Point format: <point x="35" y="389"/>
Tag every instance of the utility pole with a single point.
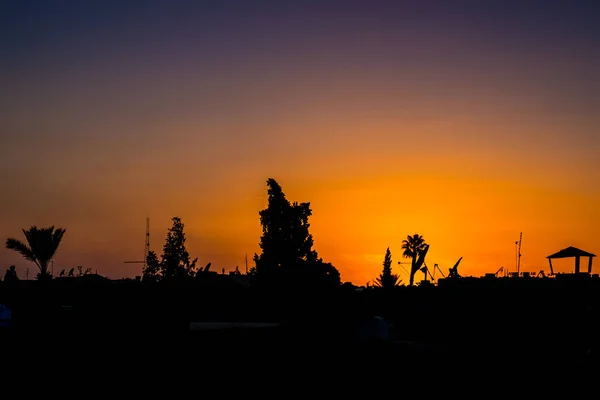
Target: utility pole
<point x="246" y="260"/>
<point x="519" y="253"/>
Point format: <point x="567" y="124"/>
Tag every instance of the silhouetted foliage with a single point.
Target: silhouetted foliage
<point x="205" y="269"/>
<point x="287" y="256"/>
<point x="175" y="260"/>
<point x="152" y="271"/>
<point x="81" y="272"/>
<point x="41" y="246"/>
<point x="204" y="272"/>
<point x="412" y="247"/>
<point x="11" y="274"/>
<point x="387" y="280"/>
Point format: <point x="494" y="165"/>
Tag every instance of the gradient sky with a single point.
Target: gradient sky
<point x="465" y="122"/>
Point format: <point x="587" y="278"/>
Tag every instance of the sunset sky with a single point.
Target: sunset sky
<point x="465" y="122"/>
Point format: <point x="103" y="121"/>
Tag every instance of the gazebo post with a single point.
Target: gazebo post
<point x="550" y="262"/>
<point x="577" y="259"/>
<point x="590" y="265"/>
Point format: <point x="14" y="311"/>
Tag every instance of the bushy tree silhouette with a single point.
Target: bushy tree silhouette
<point x="175" y="258"/>
<point x="175" y="261"/>
<point x="287" y="255"/>
<point x="40" y="248"/>
<point x="152" y="271"/>
<point x="387" y="280"/>
<point x="413" y="247"/>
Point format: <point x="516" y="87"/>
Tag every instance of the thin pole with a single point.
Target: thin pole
<point x="519" y="254"/>
<point x="516" y="256"/>
<point x="147" y="243"/>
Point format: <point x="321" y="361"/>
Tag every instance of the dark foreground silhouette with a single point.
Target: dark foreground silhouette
<point x="435" y="338"/>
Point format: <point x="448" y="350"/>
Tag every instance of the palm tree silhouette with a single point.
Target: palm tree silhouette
<point x="413" y="246"/>
<point x="41" y="246"/>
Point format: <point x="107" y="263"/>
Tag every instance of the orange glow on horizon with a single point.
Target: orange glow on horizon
<point x="463" y="133"/>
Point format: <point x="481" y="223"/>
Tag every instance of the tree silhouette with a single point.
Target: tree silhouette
<point x="413" y="246"/>
<point x="11" y="274"/>
<point x="286" y="243"/>
<point x="152" y="271"/>
<point x="387" y="280"/>
<point x="285" y="239"/>
<point x="175" y="261"/>
<point x="41" y="246"/>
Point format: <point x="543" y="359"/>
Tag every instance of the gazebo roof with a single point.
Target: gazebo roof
<point x="571" y="252"/>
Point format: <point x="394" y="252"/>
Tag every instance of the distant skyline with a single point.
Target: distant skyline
<point x="466" y="122"/>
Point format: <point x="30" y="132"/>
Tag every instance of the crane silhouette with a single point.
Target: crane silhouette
<point x="453" y="272"/>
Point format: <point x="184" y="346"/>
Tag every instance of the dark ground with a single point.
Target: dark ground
<point x="481" y="342"/>
<point x="290" y="357"/>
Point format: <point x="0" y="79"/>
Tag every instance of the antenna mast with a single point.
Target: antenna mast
<point x="146" y="248"/>
<point x="519" y="253"/>
<point x="147" y="243"/>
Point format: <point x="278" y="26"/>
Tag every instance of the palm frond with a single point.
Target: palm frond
<point x="21" y="248"/>
<point x="57" y="236"/>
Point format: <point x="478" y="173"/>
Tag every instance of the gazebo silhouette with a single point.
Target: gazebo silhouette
<point x="573" y="252"/>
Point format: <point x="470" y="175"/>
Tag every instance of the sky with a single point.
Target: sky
<point x="465" y="122"/>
